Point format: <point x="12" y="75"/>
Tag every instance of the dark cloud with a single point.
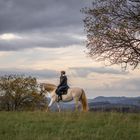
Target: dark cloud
<point x="84" y="71"/>
<point x="42" y="74"/>
<point x="27" y="15"/>
<point x="58" y="19"/>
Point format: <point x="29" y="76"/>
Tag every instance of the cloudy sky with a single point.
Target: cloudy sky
<point x="42" y="37"/>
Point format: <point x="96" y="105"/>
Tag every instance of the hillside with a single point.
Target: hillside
<point x="119" y="104"/>
<point x="118" y="100"/>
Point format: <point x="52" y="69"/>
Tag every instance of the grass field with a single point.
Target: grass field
<point x="69" y="126"/>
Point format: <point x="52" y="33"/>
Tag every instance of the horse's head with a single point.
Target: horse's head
<point x="47" y="87"/>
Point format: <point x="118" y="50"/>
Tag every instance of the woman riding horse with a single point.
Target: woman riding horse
<point x="75" y="93"/>
<point x="63" y="86"/>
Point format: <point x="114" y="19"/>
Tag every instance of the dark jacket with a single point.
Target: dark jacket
<point x="63" y="81"/>
<point x="63" y="86"/>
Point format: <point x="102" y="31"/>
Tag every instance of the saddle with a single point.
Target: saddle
<point x="62" y="93"/>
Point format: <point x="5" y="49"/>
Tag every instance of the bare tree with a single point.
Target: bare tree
<point x="113" y="31"/>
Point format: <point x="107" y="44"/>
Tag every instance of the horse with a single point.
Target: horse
<point x="76" y="94"/>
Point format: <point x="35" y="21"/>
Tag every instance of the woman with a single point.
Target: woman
<point x="63" y="86"/>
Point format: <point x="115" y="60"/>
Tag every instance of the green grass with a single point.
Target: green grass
<point x="69" y="126"/>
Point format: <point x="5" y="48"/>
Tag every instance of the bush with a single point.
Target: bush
<point x="19" y="92"/>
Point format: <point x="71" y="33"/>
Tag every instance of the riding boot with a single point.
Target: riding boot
<point x="59" y="98"/>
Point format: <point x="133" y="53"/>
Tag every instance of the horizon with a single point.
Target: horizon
<point x="41" y="38"/>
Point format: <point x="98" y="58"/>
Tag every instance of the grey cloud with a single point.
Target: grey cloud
<point x="56" y="18"/>
<point x="84" y="71"/>
<point x="122" y="87"/>
<point x="40" y="40"/>
<point x="25" y="15"/>
<point x="128" y="86"/>
<point x="43" y="74"/>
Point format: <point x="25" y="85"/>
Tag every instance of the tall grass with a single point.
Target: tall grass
<point x="69" y="126"/>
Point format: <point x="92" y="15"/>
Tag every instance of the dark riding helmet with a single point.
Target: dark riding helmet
<point x="63" y="72"/>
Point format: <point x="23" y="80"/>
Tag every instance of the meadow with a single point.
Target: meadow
<point x="69" y="126"/>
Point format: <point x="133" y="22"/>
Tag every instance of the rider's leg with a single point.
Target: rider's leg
<point x="59" y="93"/>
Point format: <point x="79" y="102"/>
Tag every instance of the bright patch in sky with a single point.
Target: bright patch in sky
<point x="9" y="36"/>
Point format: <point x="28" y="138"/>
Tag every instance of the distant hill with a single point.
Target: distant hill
<point x="118" y="100"/>
<point x="119" y="104"/>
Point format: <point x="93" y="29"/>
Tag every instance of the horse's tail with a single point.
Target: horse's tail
<point x="84" y="101"/>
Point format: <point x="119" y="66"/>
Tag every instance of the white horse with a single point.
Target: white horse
<point x="76" y="94"/>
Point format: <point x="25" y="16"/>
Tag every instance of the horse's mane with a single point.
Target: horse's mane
<point x="49" y="86"/>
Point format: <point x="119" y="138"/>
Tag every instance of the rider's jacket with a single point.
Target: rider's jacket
<point x="63" y="81"/>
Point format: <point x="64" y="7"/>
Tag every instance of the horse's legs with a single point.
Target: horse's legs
<point x="48" y="109"/>
<point x="76" y="104"/>
<point x="50" y="104"/>
<point x="58" y="106"/>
